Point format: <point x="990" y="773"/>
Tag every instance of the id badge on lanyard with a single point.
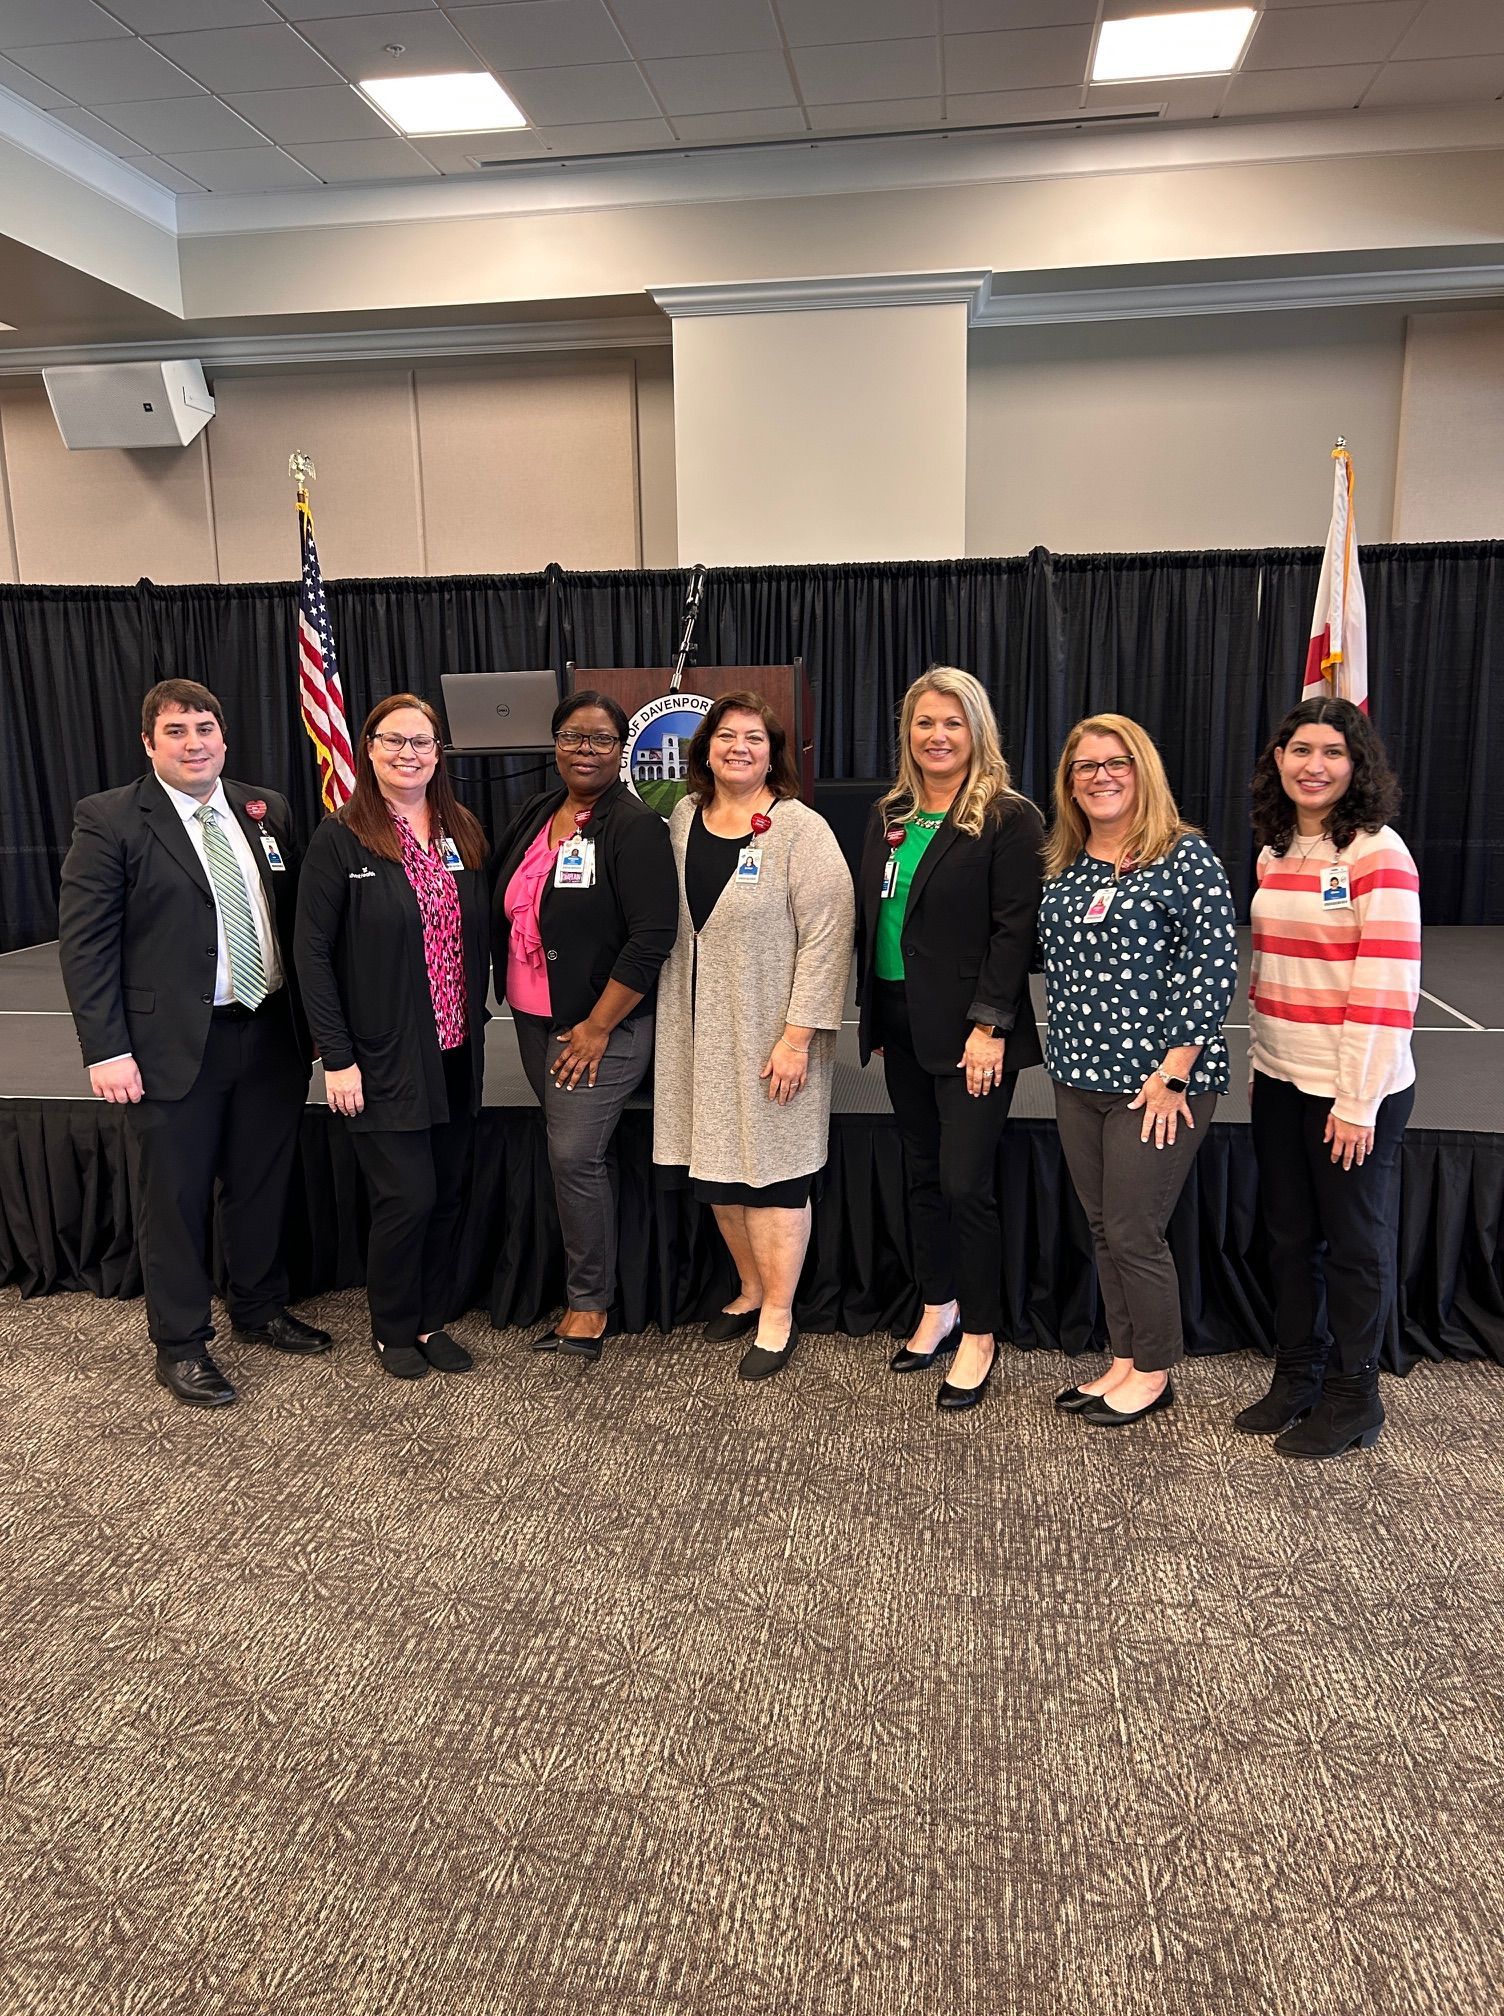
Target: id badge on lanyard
<point x="575" y="867"/>
<point x="450" y="855"/>
<point x="1097" y="909"/>
<point x="748" y="866"/>
<point x="272" y="852"/>
<point x="1336" y="888"/>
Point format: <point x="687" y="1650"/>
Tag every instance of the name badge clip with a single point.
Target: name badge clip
<point x="272" y="852"/>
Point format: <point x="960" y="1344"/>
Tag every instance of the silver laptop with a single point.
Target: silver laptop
<point x="500" y="710"/>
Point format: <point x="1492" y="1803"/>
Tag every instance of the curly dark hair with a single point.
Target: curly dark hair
<point x="1371" y="799"/>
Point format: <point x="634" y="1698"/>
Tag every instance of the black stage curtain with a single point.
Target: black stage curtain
<point x="66" y="1223"/>
<point x="1205" y="649"/>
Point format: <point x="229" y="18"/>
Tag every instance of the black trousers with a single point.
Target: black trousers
<point x="950" y="1143"/>
<point x="1333" y="1233"/>
<point x="237" y="1128"/>
<point x="415" y="1183"/>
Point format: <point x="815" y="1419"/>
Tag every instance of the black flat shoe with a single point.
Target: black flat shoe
<point x="197" y="1382"/>
<point x="951" y="1399"/>
<point x="1073" y="1400"/>
<point x="284" y="1332"/>
<point x="402" y="1361"/>
<point x="588" y="1348"/>
<point x="444" y="1353"/>
<point x="1101" y="1415"/>
<point x="758" y="1363"/>
<point x="915" y="1361"/>
<point x="730" y="1324"/>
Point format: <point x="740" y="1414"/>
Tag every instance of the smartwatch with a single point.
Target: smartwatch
<point x="1173" y="1084"/>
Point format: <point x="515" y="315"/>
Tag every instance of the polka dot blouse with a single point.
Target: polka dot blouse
<point x="1157" y="970"/>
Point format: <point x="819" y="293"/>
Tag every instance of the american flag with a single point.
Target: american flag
<point x="319" y="693"/>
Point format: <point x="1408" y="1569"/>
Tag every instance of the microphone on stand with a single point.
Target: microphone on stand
<point x="686" y="649"/>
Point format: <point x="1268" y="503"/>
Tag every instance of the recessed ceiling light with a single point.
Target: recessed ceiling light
<point x="1171" y="45"/>
<point x="464" y="101"/>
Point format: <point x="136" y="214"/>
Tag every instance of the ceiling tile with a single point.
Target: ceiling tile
<point x="329" y="10"/>
<point x="246" y="59"/>
<point x="1177" y="97"/>
<point x="357" y="46"/>
<point x="885" y="115"/>
<point x="810" y="22"/>
<point x="101" y="73"/>
<point x="1018" y="59"/>
<point x="1334" y="87"/>
<point x="95" y="129"/>
<point x="27" y="22"/>
<point x="1451" y="80"/>
<point x="1455" y="28"/>
<point x="249" y="171"/>
<point x="529" y="36"/>
<point x="1297" y="37"/>
<point x="32" y="89"/>
<point x="388" y="160"/>
<point x="965" y="17"/>
<point x="1003" y="108"/>
<point x="457" y="153"/>
<point x="867" y="71"/>
<point x="167" y="175"/>
<point x="721" y="83"/>
<point x="779" y="123"/>
<point x="584" y="91"/>
<point x="608" y="136"/>
<point x="319" y="112"/>
<point x="178" y="125"/>
<point x="708" y="28"/>
<point x="165" y="17"/>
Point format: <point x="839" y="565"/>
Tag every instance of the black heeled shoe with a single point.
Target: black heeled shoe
<point x="915" y="1361"/>
<point x="1101" y="1415"/>
<point x="957" y="1399"/>
<point x="588" y="1348"/>
<point x="731" y="1324"/>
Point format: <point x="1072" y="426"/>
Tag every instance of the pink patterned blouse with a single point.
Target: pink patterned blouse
<point x="527" y="974"/>
<point x="443" y="942"/>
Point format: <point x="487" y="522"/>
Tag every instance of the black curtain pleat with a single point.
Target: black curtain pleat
<point x="1206" y="649"/>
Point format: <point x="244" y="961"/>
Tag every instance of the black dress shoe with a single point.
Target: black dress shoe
<point x="197" y="1382"/>
<point x="284" y="1332"/>
<point x="760" y="1363"/>
<point x="915" y="1361"/>
<point x="730" y="1324"/>
<point x="956" y="1399"/>
<point x="1072" y="1400"/>
<point x="402" y="1361"/>
<point x="588" y="1348"/>
<point x="444" y="1353"/>
<point x="1101" y="1415"/>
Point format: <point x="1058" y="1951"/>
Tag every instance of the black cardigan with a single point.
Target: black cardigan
<point x="359" y="952"/>
<point x="622" y="928"/>
<point x="968" y="936"/>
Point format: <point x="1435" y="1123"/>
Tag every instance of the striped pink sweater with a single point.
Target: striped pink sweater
<point x="1333" y="991"/>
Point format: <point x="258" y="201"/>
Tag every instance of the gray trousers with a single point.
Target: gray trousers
<point x="581" y="1126"/>
<point x="1128" y="1188"/>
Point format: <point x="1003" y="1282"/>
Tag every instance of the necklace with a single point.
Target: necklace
<point x="927" y="822"/>
<point x="1305" y="853"/>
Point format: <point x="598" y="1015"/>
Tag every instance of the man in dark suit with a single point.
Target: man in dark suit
<point x="175" y="922"/>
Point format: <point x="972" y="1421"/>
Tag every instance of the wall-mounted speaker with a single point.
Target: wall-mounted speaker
<point x="162" y="405"/>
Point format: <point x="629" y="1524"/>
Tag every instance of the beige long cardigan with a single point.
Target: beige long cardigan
<point x="772" y="952"/>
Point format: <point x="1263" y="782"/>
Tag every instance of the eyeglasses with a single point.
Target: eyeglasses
<point x="395" y="744"/>
<point x="1115" y="766"/>
<point x="573" y="738"/>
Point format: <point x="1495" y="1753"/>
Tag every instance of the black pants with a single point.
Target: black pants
<point x="237" y="1126"/>
<point x="950" y="1145"/>
<point x="415" y="1181"/>
<point x="1333" y="1233"/>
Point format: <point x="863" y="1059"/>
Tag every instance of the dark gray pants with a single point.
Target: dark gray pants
<point x="1128" y="1188"/>
<point x="581" y="1128"/>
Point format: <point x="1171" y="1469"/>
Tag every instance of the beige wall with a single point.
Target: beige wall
<point x="1212" y="431"/>
<point x="1451" y="462"/>
<point x="657" y="483"/>
<point x="487" y="467"/>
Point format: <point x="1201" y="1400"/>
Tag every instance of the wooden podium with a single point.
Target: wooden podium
<point x="786" y="689"/>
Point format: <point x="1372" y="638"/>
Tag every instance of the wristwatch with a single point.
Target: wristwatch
<point x="1173" y="1084"/>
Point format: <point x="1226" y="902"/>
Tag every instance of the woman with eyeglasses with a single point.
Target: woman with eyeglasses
<point x="393" y="951"/>
<point x="586" y="908"/>
<point x="1140" y="962"/>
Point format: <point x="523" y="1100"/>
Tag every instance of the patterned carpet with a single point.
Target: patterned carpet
<point x="631" y="1691"/>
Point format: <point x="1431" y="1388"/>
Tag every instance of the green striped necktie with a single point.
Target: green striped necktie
<point x="247" y="974"/>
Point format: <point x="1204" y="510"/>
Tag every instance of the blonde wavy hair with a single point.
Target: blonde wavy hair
<point x="987" y="781"/>
<point x="1157" y="824"/>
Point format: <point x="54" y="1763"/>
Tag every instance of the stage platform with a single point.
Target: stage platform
<point x="66" y="1191"/>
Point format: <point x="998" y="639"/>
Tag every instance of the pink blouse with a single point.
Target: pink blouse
<point x="443" y="940"/>
<point x="527" y="971"/>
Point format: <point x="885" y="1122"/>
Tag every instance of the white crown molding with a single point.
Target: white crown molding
<point x="1233" y="297"/>
<point x="72" y="155"/>
<point x="850" y="290"/>
<point x="360" y="346"/>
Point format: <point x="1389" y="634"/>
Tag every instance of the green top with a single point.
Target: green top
<point x="919" y="830"/>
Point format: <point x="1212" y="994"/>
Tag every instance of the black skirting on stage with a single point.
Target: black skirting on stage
<point x="66" y="1204"/>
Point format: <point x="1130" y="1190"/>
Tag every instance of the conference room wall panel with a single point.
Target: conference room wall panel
<point x="1450" y="483"/>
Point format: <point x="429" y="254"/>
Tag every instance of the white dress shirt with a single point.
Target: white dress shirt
<point x="187" y="809"/>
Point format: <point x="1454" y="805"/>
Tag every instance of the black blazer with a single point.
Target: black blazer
<point x="137" y="931"/>
<point x="623" y="928"/>
<point x="968" y="936"/>
<point x="359" y="950"/>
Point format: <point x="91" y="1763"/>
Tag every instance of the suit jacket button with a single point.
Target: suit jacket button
<point x="553" y="955"/>
<point x="911" y="951"/>
<point x="207" y="997"/>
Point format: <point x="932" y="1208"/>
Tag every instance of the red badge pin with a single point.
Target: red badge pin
<point x="760" y="822"/>
<point x="894" y="836"/>
<point x="255" y="808"/>
<point x="582" y="818"/>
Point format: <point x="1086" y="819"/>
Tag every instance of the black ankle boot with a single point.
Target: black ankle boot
<point x="1348" y="1415"/>
<point x="1292" y="1394"/>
